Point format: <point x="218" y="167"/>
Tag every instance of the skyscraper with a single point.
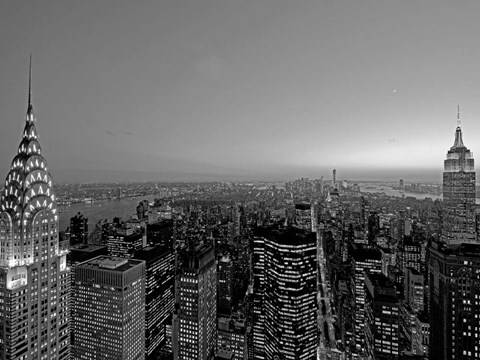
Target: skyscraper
<point x="78" y="229"/>
<point x="195" y="322"/>
<point x="224" y="288"/>
<point x="34" y="277"/>
<point x="365" y="259"/>
<point x="454" y="274"/>
<point x="110" y="309"/>
<point x="159" y="295"/>
<point x="382" y="313"/>
<point x="459" y="194"/>
<point x="290" y="303"/>
<point x="257" y="314"/>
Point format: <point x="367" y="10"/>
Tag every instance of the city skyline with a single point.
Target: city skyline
<point x="242" y="91"/>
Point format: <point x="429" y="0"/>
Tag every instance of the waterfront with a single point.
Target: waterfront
<point x="99" y="210"/>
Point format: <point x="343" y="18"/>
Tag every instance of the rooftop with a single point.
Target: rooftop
<point x="111" y="263"/>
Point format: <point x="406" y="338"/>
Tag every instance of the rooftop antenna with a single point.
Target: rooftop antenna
<point x="458" y="116"/>
<point x="30" y="82"/>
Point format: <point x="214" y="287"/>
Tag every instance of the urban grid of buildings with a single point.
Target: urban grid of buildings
<point x="314" y="269"/>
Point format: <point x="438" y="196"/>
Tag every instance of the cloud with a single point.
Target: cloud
<point x="109" y="132"/>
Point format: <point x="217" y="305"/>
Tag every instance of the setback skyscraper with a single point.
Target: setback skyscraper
<point x="459" y="194"/>
<point x="34" y="277"/>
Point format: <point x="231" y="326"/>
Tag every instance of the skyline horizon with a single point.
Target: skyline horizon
<point x="246" y="89"/>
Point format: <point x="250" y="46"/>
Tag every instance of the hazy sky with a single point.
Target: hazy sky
<point x="242" y="89"/>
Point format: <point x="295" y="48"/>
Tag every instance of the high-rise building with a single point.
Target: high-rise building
<point x="225" y="285"/>
<point x="34" y="277"/>
<point x="124" y="241"/>
<point x="382" y="313"/>
<point x="78" y="229"/>
<point x="454" y="273"/>
<point x="159" y="296"/>
<point x="458" y="224"/>
<point x="290" y="295"/>
<point x="110" y="309"/>
<point x="76" y="255"/>
<point x="409" y="254"/>
<point x="258" y="289"/>
<point x="414" y="289"/>
<point x="364" y="259"/>
<point x="195" y="320"/>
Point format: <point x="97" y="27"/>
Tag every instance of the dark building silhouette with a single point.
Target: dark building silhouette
<point x="34" y="277"/>
<point x="159" y="296"/>
<point x="459" y="194"/>
<point x="224" y="286"/>
<point x="454" y="283"/>
<point x="78" y="230"/>
<point x="382" y="315"/>
<point x="160" y="233"/>
<point x="124" y="241"/>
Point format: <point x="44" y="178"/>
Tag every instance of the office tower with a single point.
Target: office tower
<point x="382" y="311"/>
<point x="78" y="229"/>
<point x="34" y="277"/>
<point x="160" y="233"/>
<point x="195" y="320"/>
<point x="414" y="287"/>
<point x="454" y="301"/>
<point x="304" y="214"/>
<point x="364" y="259"/>
<point x="78" y="254"/>
<point x="110" y="309"/>
<point x="458" y="224"/>
<point x="409" y="254"/>
<point x="290" y="295"/>
<point x="258" y="315"/>
<point x="159" y="296"/>
<point x="124" y="241"/>
<point x="225" y="285"/>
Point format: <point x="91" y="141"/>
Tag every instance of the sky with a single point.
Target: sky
<point x="241" y="90"/>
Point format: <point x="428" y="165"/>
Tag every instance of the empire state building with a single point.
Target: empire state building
<point x="34" y="278"/>
<point x="458" y="225"/>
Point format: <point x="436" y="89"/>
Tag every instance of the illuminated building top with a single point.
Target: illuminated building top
<point x="459" y="158"/>
<point x="28" y="201"/>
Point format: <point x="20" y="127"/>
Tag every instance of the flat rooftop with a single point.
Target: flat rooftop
<point x="111" y="263"/>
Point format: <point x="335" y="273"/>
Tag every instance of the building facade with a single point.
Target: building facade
<point x="225" y="286"/>
<point x="34" y="277"/>
<point x="78" y="230"/>
<point x="454" y="285"/>
<point x="458" y="225"/>
<point x="159" y="296"/>
<point x="195" y="320"/>
<point x="382" y="315"/>
<point x="110" y="309"/>
<point x="290" y="293"/>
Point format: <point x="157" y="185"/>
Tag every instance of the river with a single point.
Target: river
<point x="99" y="210"/>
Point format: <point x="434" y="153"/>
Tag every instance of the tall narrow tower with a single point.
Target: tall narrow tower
<point x="459" y="193"/>
<point x="34" y="278"/>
